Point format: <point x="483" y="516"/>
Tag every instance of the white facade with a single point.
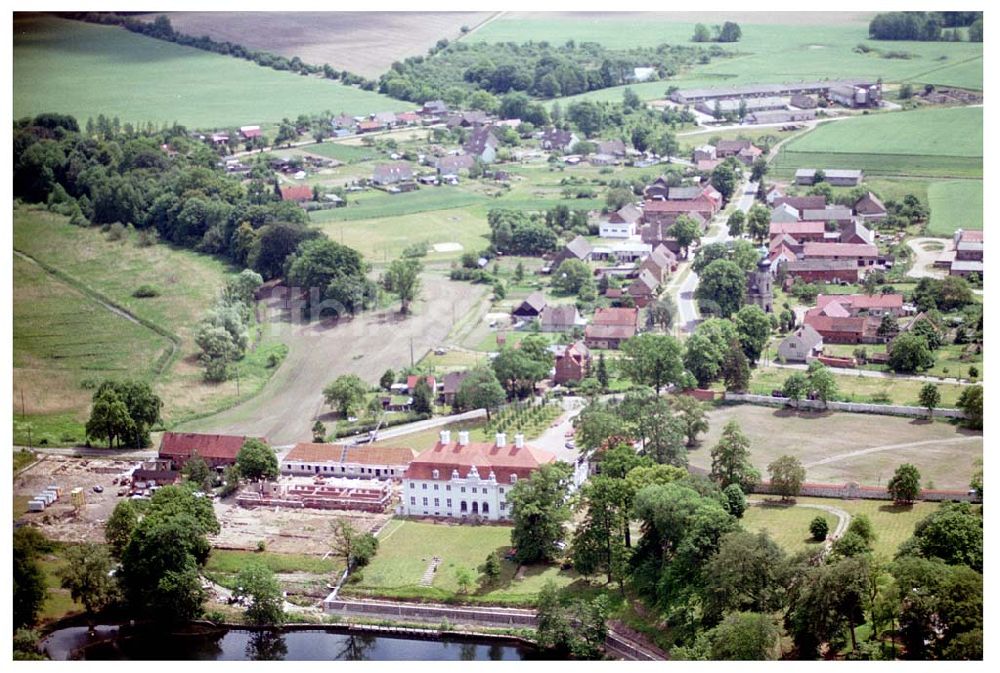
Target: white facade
<point x="617" y="229"/>
<point x="327" y="468"/>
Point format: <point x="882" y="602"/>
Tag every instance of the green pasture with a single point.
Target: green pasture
<point x="956" y="204"/>
<point x="86" y="70"/>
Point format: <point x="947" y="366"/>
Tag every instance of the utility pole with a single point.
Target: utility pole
<point x="411" y="351"/>
<point x="237" y="383"/>
<point x="23" y="412"/>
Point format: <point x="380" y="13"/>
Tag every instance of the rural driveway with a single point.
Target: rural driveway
<point x="366" y="345"/>
<point x="923" y="260"/>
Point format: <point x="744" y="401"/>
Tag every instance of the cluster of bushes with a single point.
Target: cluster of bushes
<point x="536" y="68"/>
<point x="223" y="334"/>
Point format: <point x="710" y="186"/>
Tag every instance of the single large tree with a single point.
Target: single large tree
<point x="971" y="404"/>
<point x="356" y="548"/>
<point x="930" y="397"/>
<point x="256" y="461"/>
<point x="787" y="475"/>
<point x="480" y="390"/>
<point x="259" y="588"/>
<point x="722" y="288"/>
<point x="731" y="459"/>
<point x="904" y="486"/>
<point x="345" y="393"/>
<point x="109" y="418"/>
<point x="88" y="577"/>
<point x="747" y="573"/>
<point x="653" y="360"/>
<point x="599" y="542"/>
<point x="539" y="512"/>
<point x="754" y="330"/>
<point x="736" y="223"/>
<point x="402" y="278"/>
<point x="692" y="416"/>
<point x="686" y="231"/>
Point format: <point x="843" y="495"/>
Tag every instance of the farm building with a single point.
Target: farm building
<point x="644" y="288"/>
<point x="558" y="140"/>
<point x="560" y="318"/>
<point x="689" y="96"/>
<point x="337" y="460"/>
<point x="725" y="106"/>
<point x="216" y="450"/>
<point x="862" y="254"/>
<point x="249" y="132"/>
<point x="838" y="177"/>
<point x="464" y="479"/>
<point x="390" y="174"/>
<point x="579" y="248"/>
<point x="482" y="144"/>
<point x="450" y="385"/>
<point x="801" y="345"/>
<point x="531" y="307"/>
<point x="822" y="270"/>
<point x="800" y="203"/>
<point x="611" y="326"/>
<point x="869" y="207"/>
<point x="801" y="231"/>
<point x="780" y="116"/>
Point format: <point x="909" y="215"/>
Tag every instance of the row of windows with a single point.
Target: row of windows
<point x="476" y="508"/>
<point x="316" y="469"/>
<point x="475" y="489"/>
<point x="435" y="474"/>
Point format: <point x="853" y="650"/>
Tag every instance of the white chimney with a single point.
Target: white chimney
<point x="463" y="438"/>
<point x="501" y="440"/>
<point x="519" y="440"/>
<point x="445" y="436"/>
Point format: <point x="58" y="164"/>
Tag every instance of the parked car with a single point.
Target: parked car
<point x="98" y="488"/>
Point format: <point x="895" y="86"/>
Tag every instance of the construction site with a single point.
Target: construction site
<point x="284" y="523"/>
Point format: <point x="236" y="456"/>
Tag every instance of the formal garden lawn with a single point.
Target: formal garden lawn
<point x="955" y="204"/>
<point x="407" y="547"/>
<point x="58" y="351"/>
<point x="838" y="447"/>
<point x="86" y="70"/>
<point x="788" y="526"/>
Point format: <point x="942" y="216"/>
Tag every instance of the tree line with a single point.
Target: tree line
<point x="925" y="26"/>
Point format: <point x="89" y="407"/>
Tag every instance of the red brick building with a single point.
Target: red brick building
<point x="216" y="450"/>
<point x="572" y="364"/>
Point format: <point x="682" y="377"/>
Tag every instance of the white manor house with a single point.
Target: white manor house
<point x="466" y="480"/>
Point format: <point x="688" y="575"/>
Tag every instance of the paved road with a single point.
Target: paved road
<point x="687" y="306"/>
<point x="419" y="426"/>
<point x="923" y="260"/>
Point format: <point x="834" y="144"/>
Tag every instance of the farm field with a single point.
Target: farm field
<point x="956" y="204"/>
<point x="839" y="447"/>
<point x="407" y="547"/>
<point x="86" y="70"/>
<point x="789" y="526"/>
<point x="187" y="283"/>
<point x="774" y="48"/>
<point x="365" y="43"/>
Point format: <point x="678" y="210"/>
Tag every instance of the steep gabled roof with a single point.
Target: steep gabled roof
<point x="185" y="444"/>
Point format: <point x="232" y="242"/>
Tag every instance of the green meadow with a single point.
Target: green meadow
<point x="86" y="70"/>
<point x="956" y="204"/>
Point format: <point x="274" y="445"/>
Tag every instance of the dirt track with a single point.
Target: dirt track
<point x="367" y="345"/>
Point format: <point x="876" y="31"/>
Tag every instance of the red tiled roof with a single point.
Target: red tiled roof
<point x="862" y="301"/>
<point x="702" y="203"/>
<point x="502" y="461"/>
<point x="296" y="193"/>
<point x="828" y="324"/>
<point x="972" y="236"/>
<point x="816" y="249"/>
<point x="309" y="452"/>
<point x="627" y="317"/>
<point x="793" y="228"/>
<point x="609" y="331"/>
<point x="184" y="444"/>
<point x="411" y="381"/>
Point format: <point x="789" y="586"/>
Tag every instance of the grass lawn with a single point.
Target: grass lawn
<point x="86" y="70"/>
<point x="853" y="388"/>
<point x="23" y="459"/>
<point x="419" y="441"/>
<point x="58" y="601"/>
<point x="788" y="526"/>
<point x="955" y="204"/>
<point x="349" y="154"/>
<point x="838" y="447"/>
<point x="407" y="547"/>
<point x="231" y="562"/>
<point x="59" y="349"/>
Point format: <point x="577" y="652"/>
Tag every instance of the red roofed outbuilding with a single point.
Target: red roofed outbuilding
<point x="297" y="193"/>
<point x="216" y="450"/>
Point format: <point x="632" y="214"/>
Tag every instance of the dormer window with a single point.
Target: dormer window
<point x="435" y="474"/>
<point x="513" y="478"/>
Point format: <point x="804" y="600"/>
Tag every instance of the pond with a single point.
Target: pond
<point x="319" y="644"/>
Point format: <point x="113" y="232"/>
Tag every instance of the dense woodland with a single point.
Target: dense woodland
<point x="926" y="26"/>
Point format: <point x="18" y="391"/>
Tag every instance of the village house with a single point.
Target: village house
<point x="454" y="163"/>
<point x="369" y="126"/>
<point x="644" y="288"/>
<point x="609" y="229"/>
<point x="463" y="479"/>
<point x="627" y="214"/>
<point x="297" y="193"/>
<point x="560" y="318"/>
<point x="658" y="234"/>
<point x="802" y="345"/>
<point x="611" y="326"/>
<point x="451" y="383"/>
<point x="657" y="190"/>
<point x="731" y="148"/>
<point x="704" y="153"/>
<point x="614" y="148"/>
<point x="772" y="195"/>
<point x="579" y="248"/>
<point x="558" y="140"/>
<point x="572" y="363"/>
<point x="390" y="174"/>
<point x="344" y="460"/>
<point x="531" y="307"/>
<point x="216" y="450"/>
<point x="862" y="254"/>
<point x="784" y="213"/>
<point x="413" y="379"/>
<point x="668" y="211"/>
<point x="799" y="230"/>
<point x="622" y="251"/>
<point x="836" y="177"/>
<point x="836" y="325"/>
<point x="250" y="132"/>
<point x="660" y="263"/>
<point x="800" y="203"/>
<point x="434" y="108"/>
<point x="863" y="304"/>
<point x="482" y="144"/>
<point x="869" y="208"/>
<point x="385" y="119"/>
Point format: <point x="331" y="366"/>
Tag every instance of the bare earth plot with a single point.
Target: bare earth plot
<point x="319" y="352"/>
<point x="840" y="447"/>
<point x="365" y="43"/>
